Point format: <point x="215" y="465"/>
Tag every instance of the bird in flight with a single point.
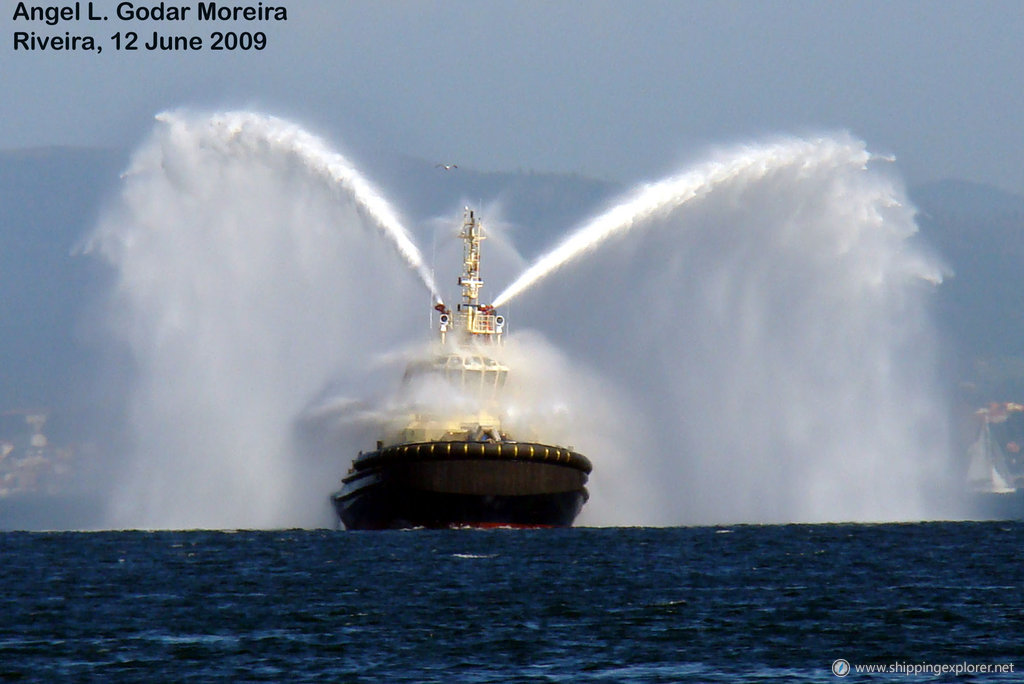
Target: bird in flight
<point x="446" y="167"/>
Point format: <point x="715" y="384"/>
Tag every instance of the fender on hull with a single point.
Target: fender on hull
<point x="478" y="485"/>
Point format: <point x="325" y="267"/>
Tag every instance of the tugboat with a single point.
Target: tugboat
<point x="454" y="465"/>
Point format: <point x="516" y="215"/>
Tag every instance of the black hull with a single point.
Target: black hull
<point x="463" y="484"/>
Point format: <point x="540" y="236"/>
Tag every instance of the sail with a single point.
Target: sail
<point x="987" y="470"/>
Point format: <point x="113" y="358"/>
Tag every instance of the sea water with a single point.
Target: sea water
<point x="700" y="604"/>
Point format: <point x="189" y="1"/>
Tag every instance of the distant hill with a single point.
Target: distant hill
<point x="979" y="230"/>
<point x="540" y="206"/>
<point x="49" y="199"/>
<point x="52" y="197"/>
<point x="957" y="198"/>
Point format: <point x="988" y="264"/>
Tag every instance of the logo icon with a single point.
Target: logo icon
<point x="840" y="667"/>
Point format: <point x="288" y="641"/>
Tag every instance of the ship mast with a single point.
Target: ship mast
<point x="472" y="235"/>
<point x="476" y="321"/>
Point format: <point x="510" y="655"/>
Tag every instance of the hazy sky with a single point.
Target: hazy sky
<point x="618" y="90"/>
